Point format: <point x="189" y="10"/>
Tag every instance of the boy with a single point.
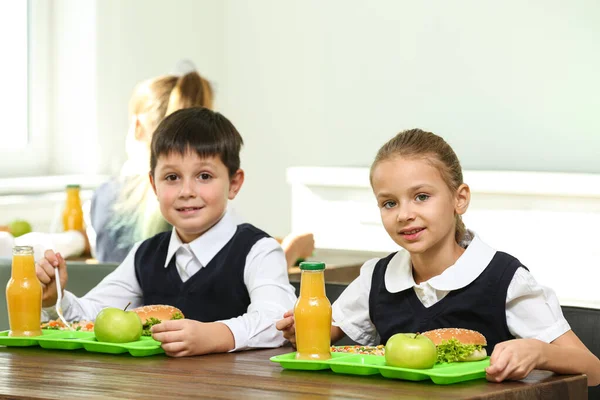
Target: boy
<point x="230" y="281"/>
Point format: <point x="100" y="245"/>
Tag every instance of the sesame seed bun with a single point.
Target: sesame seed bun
<point x="159" y="311"/>
<point x="465" y="336"/>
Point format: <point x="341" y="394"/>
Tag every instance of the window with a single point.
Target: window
<point x="23" y="100"/>
<point x="13" y="34"/>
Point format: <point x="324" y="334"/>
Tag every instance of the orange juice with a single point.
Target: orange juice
<point x="312" y="314"/>
<point x="24" y="295"/>
<point x="73" y="214"/>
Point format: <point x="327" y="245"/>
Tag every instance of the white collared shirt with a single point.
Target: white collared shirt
<point x="532" y="310"/>
<point x="265" y="277"/>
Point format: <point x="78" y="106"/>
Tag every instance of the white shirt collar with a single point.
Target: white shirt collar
<point x="208" y="244"/>
<point x="467" y="268"/>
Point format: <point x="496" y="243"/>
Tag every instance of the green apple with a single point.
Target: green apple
<point x="410" y="350"/>
<point x="19" y="227"/>
<point x="117" y="326"/>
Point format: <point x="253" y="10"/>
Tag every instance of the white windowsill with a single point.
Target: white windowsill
<point x="47" y="184"/>
<point x="514" y="182"/>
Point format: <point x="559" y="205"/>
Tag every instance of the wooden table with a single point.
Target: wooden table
<point x="46" y="374"/>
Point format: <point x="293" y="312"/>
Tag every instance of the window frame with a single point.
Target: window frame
<point x="34" y="158"/>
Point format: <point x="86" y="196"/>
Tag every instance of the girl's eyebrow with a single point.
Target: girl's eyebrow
<point x="384" y="195"/>
<point x="412" y="189"/>
<point x="420" y="186"/>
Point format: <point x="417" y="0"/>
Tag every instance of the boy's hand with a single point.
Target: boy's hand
<point x="514" y="359"/>
<point x="44" y="270"/>
<point x="186" y="337"/>
<point x="297" y="246"/>
<point x="288" y="327"/>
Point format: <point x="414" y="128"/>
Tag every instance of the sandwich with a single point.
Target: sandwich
<point x="457" y="344"/>
<point x="155" y="314"/>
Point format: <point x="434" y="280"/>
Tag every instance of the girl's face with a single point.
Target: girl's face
<point x="193" y="191"/>
<point x="417" y="207"/>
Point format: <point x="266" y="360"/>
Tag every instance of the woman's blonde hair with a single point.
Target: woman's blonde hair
<point x="416" y="143"/>
<point x="136" y="208"/>
<point x="158" y="97"/>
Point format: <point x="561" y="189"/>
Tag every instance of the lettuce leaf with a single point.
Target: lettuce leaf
<point x="452" y="350"/>
<point x="146" y="328"/>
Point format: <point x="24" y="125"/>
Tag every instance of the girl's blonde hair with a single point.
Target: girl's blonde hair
<point x="136" y="208"/>
<point x="416" y="143"/>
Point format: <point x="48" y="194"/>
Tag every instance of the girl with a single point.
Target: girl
<point x="446" y="276"/>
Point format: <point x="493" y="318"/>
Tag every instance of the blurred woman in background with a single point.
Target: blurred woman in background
<point x="125" y="210"/>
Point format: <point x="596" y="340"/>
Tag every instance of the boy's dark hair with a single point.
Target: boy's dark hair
<point x="198" y="129"/>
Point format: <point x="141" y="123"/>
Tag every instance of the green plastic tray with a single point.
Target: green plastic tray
<point x="362" y="364"/>
<point x="73" y="340"/>
<point x="288" y="361"/>
<point x="6" y="340"/>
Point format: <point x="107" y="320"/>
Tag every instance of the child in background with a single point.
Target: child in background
<point x="124" y="211"/>
<point x="229" y="280"/>
<point x="446" y="276"/>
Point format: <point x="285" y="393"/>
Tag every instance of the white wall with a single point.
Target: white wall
<point x="74" y="87"/>
<point x="511" y="85"/>
<point x="100" y="50"/>
<point x="141" y="39"/>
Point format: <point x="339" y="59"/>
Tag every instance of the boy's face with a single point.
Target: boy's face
<point x="193" y="191"/>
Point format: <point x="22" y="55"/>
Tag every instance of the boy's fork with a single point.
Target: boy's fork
<point x="59" y="300"/>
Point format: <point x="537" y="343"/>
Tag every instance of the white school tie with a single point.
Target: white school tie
<point x="183" y="259"/>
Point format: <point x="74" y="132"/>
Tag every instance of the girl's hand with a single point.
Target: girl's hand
<point x="44" y="270"/>
<point x="514" y="359"/>
<point x="288" y="327"/>
<point x="186" y="337"/>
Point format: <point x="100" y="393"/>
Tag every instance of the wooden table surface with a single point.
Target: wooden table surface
<point x="47" y="374"/>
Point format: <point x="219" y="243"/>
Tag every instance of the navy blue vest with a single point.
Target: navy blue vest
<point x="214" y="293"/>
<point x="480" y="306"/>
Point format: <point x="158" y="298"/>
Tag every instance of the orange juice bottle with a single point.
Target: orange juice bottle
<point x="73" y="214"/>
<point x="24" y="295"/>
<point x="312" y="314"/>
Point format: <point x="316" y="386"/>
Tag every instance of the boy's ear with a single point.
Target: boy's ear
<point x="235" y="183"/>
<point x="463" y="198"/>
<point x="152" y="182"/>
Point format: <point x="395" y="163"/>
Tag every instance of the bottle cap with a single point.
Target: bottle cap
<point x="22" y="250"/>
<point x="312" y="265"/>
<point x="73" y="186"/>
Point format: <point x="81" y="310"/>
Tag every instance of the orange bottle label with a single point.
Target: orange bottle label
<point x="312" y="315"/>
<point x="24" y="298"/>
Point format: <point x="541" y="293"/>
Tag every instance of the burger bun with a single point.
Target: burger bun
<point x="161" y="312"/>
<point x="465" y="336"/>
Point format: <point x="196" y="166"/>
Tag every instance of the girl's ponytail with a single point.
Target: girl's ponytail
<point x="191" y="90"/>
<point x="460" y="230"/>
